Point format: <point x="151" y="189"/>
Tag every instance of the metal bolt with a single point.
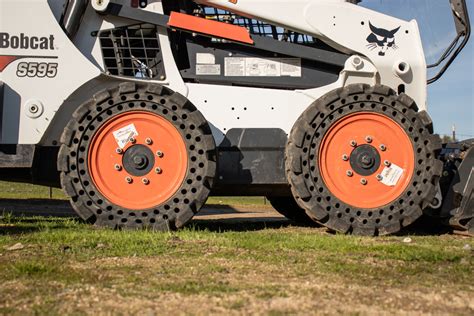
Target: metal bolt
<point x="345" y="157"/>
<point x="159" y="153"/>
<point x="387" y="163"/>
<point x="379" y="177"/>
<point x="119" y="151"/>
<point x="158" y="170"/>
<point x="145" y="181"/>
<point x="148" y="141"/>
<point x="34" y="109"/>
<point x="349" y="173"/>
<point x="129" y="180"/>
<point x="368" y="139"/>
<point x="363" y="181"/>
<point x="383" y="147"/>
<point x="132" y="140"/>
<point x="118" y="167"/>
<point x="353" y="143"/>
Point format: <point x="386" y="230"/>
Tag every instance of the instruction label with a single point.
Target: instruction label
<point x="262" y="67"/>
<point x="123" y="135"/>
<point x="391" y="175"/>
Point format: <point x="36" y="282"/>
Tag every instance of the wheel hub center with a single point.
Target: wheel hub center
<point x="138" y="160"/>
<point x="365" y="160"/>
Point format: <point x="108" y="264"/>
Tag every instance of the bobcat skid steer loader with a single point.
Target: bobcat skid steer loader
<point x="140" y="109"/>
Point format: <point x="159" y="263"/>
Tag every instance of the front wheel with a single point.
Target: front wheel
<point x="362" y="160"/>
<point x="137" y="156"/>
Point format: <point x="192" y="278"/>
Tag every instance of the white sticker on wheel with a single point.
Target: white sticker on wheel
<point x="123" y="135"/>
<point x="391" y="175"/>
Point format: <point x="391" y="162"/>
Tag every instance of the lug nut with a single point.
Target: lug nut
<point x="145" y="181"/>
<point x="148" y="141"/>
<point x="345" y="157"/>
<point x="363" y="181"/>
<point x="383" y="147"/>
<point x="129" y="180"/>
<point x="368" y="139"/>
<point x="387" y="163"/>
<point x="159" y="153"/>
<point x="158" y="170"/>
<point x="349" y="173"/>
<point x="353" y="143"/>
<point x="132" y="140"/>
<point x="379" y="177"/>
<point x="118" y="167"/>
<point x="119" y="151"/>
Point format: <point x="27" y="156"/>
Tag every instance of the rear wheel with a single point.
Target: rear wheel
<point x="362" y="160"/>
<point x="138" y="155"/>
<point x="287" y="206"/>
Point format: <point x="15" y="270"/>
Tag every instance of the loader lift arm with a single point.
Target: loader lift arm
<point x="175" y="21"/>
<point x="463" y="29"/>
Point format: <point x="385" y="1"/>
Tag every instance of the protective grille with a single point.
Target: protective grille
<point x="132" y="51"/>
<point x="257" y="27"/>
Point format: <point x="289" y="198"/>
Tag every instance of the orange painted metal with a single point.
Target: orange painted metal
<point x="208" y="27"/>
<point x="102" y="157"/>
<point x="356" y="127"/>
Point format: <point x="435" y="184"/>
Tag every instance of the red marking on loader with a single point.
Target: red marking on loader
<point x="7" y="60"/>
<point x="207" y="27"/>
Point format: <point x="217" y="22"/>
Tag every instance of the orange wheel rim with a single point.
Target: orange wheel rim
<point x="340" y="153"/>
<point x="150" y="167"/>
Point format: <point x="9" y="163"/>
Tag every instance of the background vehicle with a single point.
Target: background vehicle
<point x="141" y="109"/>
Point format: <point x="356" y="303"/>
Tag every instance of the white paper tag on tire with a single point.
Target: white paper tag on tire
<point x="391" y="175"/>
<point x="123" y="135"/>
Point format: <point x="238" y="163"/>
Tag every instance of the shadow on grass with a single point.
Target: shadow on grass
<point x="238" y="226"/>
<point x="33" y="215"/>
<point x="426" y="226"/>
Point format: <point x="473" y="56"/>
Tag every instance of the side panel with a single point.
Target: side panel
<point x="45" y="68"/>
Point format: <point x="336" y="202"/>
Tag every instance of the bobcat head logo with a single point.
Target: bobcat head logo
<point x="381" y="39"/>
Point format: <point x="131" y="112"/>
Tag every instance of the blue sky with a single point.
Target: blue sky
<point x="451" y="98"/>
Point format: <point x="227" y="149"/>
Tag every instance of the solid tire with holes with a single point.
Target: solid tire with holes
<point x="156" y="104"/>
<point x="287" y="206"/>
<point x="304" y="170"/>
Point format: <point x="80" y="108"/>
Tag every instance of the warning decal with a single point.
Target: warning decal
<point x="123" y="135"/>
<point x="262" y="67"/>
<point x="391" y="175"/>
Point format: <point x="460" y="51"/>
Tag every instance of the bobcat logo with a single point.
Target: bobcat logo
<point x="381" y="39"/>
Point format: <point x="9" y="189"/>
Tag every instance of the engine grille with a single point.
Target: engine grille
<point x="132" y="51"/>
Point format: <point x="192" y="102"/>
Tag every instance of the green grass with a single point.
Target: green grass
<point x="11" y="190"/>
<point x="203" y="259"/>
<point x="68" y="267"/>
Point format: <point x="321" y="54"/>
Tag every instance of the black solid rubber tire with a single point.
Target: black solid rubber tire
<point x="76" y="182"/>
<point x="310" y="190"/>
<point x="287" y="206"/>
